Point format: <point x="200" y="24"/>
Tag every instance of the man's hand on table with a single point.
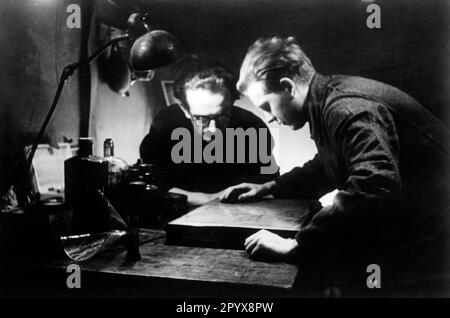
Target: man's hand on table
<point x="197" y="198"/>
<point x="269" y="246"/>
<point x="263" y="245"/>
<point x="247" y="192"/>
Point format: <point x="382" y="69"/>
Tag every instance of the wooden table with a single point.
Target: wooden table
<point x="164" y="271"/>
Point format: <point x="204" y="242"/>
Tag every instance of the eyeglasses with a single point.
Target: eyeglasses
<point x="203" y="121"/>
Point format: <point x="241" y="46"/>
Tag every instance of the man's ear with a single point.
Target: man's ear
<point x="289" y="85"/>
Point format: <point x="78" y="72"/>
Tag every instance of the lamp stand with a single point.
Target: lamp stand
<point x="66" y="74"/>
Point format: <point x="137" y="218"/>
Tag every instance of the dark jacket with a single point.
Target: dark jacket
<point x="156" y="148"/>
<point x="388" y="157"/>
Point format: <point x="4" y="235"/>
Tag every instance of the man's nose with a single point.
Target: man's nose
<point x="209" y="131"/>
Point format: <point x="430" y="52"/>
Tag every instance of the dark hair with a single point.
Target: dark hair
<point x="204" y="73"/>
<point x="270" y="59"/>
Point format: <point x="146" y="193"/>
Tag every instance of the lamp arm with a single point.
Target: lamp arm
<point x="104" y="46"/>
<point x="66" y="73"/>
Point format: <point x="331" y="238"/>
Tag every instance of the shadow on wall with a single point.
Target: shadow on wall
<point x="124" y="119"/>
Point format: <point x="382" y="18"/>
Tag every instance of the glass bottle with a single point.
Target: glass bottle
<point x="117" y="168"/>
<point x="83" y="172"/>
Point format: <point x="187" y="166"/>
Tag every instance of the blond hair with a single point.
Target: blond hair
<point x="270" y="59"/>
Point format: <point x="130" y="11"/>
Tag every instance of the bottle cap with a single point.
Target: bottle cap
<point x="85" y="146"/>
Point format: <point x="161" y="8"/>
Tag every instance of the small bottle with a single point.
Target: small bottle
<point x="117" y="167"/>
<point x="108" y="148"/>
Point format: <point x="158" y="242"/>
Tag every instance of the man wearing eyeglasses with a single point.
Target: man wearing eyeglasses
<point x="206" y="92"/>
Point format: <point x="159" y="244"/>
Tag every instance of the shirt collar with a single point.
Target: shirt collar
<point x="314" y="98"/>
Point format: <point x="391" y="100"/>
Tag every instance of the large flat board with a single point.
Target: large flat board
<point x="227" y="225"/>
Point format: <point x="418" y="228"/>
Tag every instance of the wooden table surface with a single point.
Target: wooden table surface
<point x="179" y="265"/>
<point x="185" y="263"/>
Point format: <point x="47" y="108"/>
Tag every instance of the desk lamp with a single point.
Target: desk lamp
<point x="151" y="49"/>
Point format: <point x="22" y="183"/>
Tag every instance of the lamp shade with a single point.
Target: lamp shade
<point x="155" y="49"/>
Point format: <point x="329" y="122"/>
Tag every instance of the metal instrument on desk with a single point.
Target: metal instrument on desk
<point x="157" y="206"/>
<point x="103" y="191"/>
<point x="90" y="182"/>
<point x="101" y="194"/>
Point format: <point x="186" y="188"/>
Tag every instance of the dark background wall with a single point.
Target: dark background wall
<point x="411" y="51"/>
